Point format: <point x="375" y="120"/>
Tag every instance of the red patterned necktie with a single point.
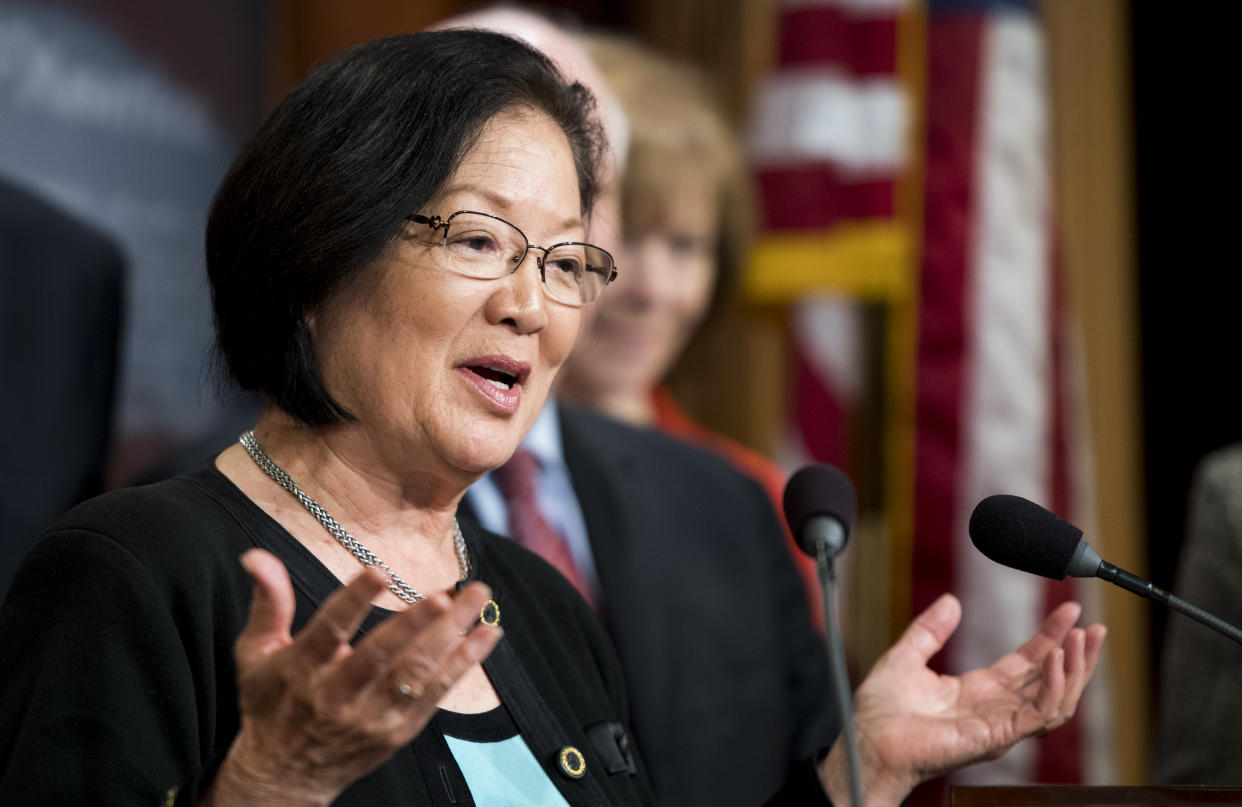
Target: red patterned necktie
<point x="527" y="523"/>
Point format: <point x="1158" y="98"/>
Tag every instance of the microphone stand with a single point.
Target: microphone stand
<point x="836" y="659"/>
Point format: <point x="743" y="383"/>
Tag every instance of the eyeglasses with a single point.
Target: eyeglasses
<point x="484" y="246"/>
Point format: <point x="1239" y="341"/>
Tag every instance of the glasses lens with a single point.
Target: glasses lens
<point x="577" y="273"/>
<point x="481" y="246"/>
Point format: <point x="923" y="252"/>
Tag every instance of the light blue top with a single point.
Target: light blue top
<point x="504" y="774"/>
<point x="554" y="489"/>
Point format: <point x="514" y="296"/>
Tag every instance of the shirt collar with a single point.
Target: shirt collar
<point x="544" y="438"/>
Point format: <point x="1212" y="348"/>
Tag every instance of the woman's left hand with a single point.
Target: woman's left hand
<point x="913" y="724"/>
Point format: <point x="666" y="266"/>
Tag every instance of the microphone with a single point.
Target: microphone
<point x="1018" y="533"/>
<point x="820" y="505"/>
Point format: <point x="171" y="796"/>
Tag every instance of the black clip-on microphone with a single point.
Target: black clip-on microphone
<point x="1018" y="533"/>
<point x="820" y="505"/>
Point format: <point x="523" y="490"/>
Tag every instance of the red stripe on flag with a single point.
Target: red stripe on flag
<point x="1059" y="386"/>
<point x="873" y="199"/>
<point x="800" y="198"/>
<point x="814" y="196"/>
<point x="826" y="35"/>
<point x="821" y="416"/>
<point x="952" y="92"/>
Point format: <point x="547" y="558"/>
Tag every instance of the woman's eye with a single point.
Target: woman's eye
<point x="473" y="243"/>
<point x="570" y="266"/>
<point x="686" y="245"/>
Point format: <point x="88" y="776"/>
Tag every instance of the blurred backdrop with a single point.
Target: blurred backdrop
<point x="993" y="258"/>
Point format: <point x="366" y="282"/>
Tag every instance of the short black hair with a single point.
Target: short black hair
<point x="328" y="180"/>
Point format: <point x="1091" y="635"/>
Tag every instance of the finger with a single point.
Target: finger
<point x="1082" y="654"/>
<point x="1051" y="694"/>
<point x="1094" y="644"/>
<point x="1023" y="669"/>
<point x="375" y="655"/>
<point x="426" y="655"/>
<point x="418" y="640"/>
<point x="337" y="620"/>
<point x="469" y="651"/>
<point x="271" y="609"/>
<point x="469" y="605"/>
<point x="1058" y="624"/>
<point x="1051" y="635"/>
<point x="927" y="634"/>
<point x="429" y="649"/>
<point x="1075" y="667"/>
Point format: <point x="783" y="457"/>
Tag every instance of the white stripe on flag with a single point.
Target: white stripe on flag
<point x="1096" y="706"/>
<point x="829" y="330"/>
<point x="1007" y="422"/>
<point x="823" y="114"/>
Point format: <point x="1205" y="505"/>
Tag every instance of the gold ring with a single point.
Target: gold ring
<point x="413" y="691"/>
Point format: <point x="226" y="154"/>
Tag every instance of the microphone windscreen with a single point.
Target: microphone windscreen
<point x="1018" y="533"/>
<point x="819" y="490"/>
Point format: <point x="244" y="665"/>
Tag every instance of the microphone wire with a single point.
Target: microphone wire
<point x="840" y="676"/>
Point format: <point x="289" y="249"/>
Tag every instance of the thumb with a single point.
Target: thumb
<point x="271" y="609"/>
<point x="927" y="634"/>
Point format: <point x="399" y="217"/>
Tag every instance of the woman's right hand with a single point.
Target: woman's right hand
<point x="318" y="713"/>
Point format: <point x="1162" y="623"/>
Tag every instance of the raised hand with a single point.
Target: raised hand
<point x="318" y="713"/>
<point x="914" y="724"/>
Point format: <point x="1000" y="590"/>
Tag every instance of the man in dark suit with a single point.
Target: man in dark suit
<point x="60" y="302"/>
<point x="687" y="565"/>
<point x="1199" y="736"/>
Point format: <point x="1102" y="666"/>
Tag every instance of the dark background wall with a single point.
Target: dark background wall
<point x="1185" y="69"/>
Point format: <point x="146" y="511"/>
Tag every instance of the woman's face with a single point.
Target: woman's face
<point x="444" y="371"/>
<point x="667" y="271"/>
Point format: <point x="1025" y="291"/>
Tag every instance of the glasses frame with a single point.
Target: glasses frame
<point x="437" y="223"/>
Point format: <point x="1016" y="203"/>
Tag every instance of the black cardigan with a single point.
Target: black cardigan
<point x="117" y="681"/>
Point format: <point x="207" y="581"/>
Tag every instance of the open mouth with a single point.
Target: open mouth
<point x="499" y="377"/>
<point x="494" y="375"/>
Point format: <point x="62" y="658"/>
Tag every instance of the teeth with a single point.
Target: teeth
<point x="497" y="376"/>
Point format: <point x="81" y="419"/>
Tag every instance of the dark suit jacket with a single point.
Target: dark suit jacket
<point x="60" y="308"/>
<point x="728" y="681"/>
<point x="1199" y="737"/>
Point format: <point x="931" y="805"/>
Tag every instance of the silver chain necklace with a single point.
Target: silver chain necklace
<point x="368" y="558"/>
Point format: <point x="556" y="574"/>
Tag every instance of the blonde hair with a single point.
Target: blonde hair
<point x="678" y="134"/>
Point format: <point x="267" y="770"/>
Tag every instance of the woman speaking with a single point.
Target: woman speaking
<point x="398" y="263"/>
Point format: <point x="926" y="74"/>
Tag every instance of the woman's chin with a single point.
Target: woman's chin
<point x="483" y="455"/>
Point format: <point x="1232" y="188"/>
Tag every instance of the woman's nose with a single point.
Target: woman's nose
<point x="520" y="298"/>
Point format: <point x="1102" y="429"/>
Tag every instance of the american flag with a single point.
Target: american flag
<point x="828" y="145"/>
<point x="870" y="97"/>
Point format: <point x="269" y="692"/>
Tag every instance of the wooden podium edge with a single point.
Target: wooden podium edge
<point x="1084" y="796"/>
